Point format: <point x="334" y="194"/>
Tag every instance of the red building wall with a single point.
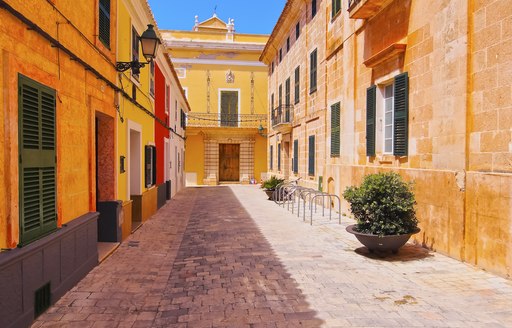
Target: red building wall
<point x="160" y="131"/>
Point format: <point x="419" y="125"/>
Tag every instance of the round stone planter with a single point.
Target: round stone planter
<point x="381" y="243"/>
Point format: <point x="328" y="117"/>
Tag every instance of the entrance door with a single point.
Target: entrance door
<point x="229" y="162"/>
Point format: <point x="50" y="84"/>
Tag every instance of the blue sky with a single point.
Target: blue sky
<point x="250" y="16"/>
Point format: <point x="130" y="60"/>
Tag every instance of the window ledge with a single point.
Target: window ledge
<point x="393" y="51"/>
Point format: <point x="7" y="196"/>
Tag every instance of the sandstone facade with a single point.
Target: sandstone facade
<point x="456" y="143"/>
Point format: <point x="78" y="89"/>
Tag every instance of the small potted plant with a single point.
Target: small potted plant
<point x="270" y="185"/>
<point x="383" y="207"/>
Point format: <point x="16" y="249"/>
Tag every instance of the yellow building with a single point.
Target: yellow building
<point x="226" y="87"/>
<point x="58" y="90"/>
<point x="137" y="171"/>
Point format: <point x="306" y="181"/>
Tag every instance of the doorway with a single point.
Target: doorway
<point x="134" y="169"/>
<point x="229" y="162"/>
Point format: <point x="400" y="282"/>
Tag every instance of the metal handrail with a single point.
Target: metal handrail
<point x="282" y="114"/>
<point x="226" y="120"/>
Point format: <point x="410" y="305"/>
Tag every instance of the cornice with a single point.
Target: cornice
<point x="212" y="45"/>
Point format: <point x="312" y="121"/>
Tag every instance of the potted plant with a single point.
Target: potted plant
<point x="270" y="185"/>
<point x="383" y="207"/>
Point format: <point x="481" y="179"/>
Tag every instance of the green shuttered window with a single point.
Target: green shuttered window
<point x="104" y="22"/>
<point x="371" y="94"/>
<point x="396" y="103"/>
<point x="150" y="166"/>
<point x="279" y="157"/>
<point x="335" y="130"/>
<point x="336" y="7"/>
<point x="271" y="157"/>
<point x="295" y="156"/>
<point x="297" y="85"/>
<point x="311" y="156"/>
<point x="37" y="147"/>
<point x="401" y="108"/>
<point x="313" y="71"/>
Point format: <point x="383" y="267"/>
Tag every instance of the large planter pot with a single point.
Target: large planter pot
<point x="269" y="193"/>
<point x="381" y="243"/>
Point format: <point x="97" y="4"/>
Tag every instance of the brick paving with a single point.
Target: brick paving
<point x="227" y="257"/>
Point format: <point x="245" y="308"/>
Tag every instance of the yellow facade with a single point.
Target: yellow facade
<point x="81" y="95"/>
<point x="211" y="60"/>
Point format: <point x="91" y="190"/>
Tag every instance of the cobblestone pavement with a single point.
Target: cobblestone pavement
<point x="227" y="257"/>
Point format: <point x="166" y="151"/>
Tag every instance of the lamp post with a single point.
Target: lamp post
<point x="149" y="42"/>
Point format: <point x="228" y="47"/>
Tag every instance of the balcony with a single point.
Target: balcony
<point x="282" y="118"/>
<point x="365" y="8"/>
<point x="215" y="120"/>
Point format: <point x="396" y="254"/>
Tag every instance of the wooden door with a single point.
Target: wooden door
<point x="229" y="162"/>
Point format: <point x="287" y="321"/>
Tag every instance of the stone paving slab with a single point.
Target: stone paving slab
<point x="227" y="257"/>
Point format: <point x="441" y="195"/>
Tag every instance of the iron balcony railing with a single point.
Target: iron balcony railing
<point x="282" y="114"/>
<point x="226" y="120"/>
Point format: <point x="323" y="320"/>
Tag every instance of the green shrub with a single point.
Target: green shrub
<point x="383" y="205"/>
<point x="272" y="183"/>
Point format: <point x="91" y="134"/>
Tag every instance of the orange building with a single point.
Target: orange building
<point x="57" y="146"/>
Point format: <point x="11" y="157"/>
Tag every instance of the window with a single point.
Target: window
<point x="395" y="99"/>
<point x="279" y="157"/>
<point x="313" y="8"/>
<point x="311" y="156"/>
<point x="272" y="102"/>
<point x="336" y="7"/>
<point x="271" y="157"/>
<point x="152" y="78"/>
<point x="297" y="85"/>
<point x="280" y="96"/>
<point x="295" y="156"/>
<point x="167" y="98"/>
<point x="297" y="30"/>
<point x="335" y="130"/>
<point x="287" y="44"/>
<point x="281" y="55"/>
<point x="135" y="50"/>
<point x="229" y="108"/>
<point x="104" y="22"/>
<point x="37" y="151"/>
<point x="388" y="119"/>
<point x="312" y="73"/>
<point x="149" y="166"/>
<point x="287" y="93"/>
<point x="183" y="118"/>
<point x="272" y="67"/>
<point x="175" y="111"/>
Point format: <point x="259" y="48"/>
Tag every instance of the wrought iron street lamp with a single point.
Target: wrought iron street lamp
<point x="149" y="42"/>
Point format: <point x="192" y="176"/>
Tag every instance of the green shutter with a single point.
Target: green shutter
<point x="37" y="140"/>
<point x="297" y="85"/>
<point x="336" y="7"/>
<point x="335" y="130"/>
<point x="104" y="22"/>
<point x="271" y="157"/>
<point x="229" y="108"/>
<point x="311" y="156"/>
<point x="295" y="156"/>
<point x="371" y="94"/>
<point x="401" y="108"/>
<point x="287" y="92"/>
<point x="313" y="71"/>
<point x="279" y="157"/>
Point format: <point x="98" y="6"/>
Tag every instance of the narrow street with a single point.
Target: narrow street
<point x="227" y="257"/>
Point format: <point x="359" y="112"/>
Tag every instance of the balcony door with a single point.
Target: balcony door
<point x="228" y="108"/>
